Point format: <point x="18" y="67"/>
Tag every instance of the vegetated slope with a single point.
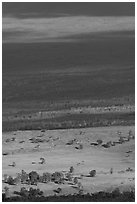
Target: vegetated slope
<point x="115" y="196"/>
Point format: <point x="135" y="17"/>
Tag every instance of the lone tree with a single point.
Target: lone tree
<point x="58" y="177"/>
<point x="10" y="180"/>
<point x="46" y="177"/>
<point x="24" y="177"/>
<point x="34" y="177"/>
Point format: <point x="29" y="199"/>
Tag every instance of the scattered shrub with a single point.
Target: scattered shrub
<point x="5" y="178"/>
<point x="115" y="192"/>
<point x="43" y="130"/>
<point x="131" y="135"/>
<point x="35" y="192"/>
<point x="107" y="145"/>
<point x="36" y="140"/>
<point x="70" y="142"/>
<point x="24" y="192"/>
<point x="68" y="176"/>
<point x="111" y="171"/>
<point x="13" y="164"/>
<point x="42" y="161"/>
<point x="17" y="181"/>
<point x="75" y="180"/>
<point x="10" y="180"/>
<point x="58" y="190"/>
<point x="129" y="169"/>
<point x="99" y="142"/>
<point x="6" y="191"/>
<point x="5" y="153"/>
<point x="22" y="141"/>
<point x="8" y="140"/>
<point x="121" y="140"/>
<point x="94" y="143"/>
<point x="71" y="169"/>
<point x="92" y="173"/>
<point x="80" y="187"/>
<point x="80" y="146"/>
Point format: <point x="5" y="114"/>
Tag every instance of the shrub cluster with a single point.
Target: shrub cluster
<point x="33" y="177"/>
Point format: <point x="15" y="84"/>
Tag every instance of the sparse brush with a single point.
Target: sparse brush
<point x="70" y="142"/>
<point x="69" y="176"/>
<point x="24" y="192"/>
<point x="17" y="180"/>
<point x="35" y="192"/>
<point x="80" y="146"/>
<point x="131" y="135"/>
<point x="71" y="170"/>
<point x="80" y="186"/>
<point x="6" y="191"/>
<point x="5" y="178"/>
<point x="111" y="171"/>
<point x="75" y="181"/>
<point x="43" y="130"/>
<point x="121" y="140"/>
<point x="116" y="192"/>
<point x="13" y="164"/>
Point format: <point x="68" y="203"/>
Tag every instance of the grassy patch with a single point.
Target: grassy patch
<point x="72" y="121"/>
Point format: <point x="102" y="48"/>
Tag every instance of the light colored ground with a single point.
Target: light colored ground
<point x="59" y="157"/>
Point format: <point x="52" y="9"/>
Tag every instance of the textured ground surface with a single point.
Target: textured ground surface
<point x="59" y="157"/>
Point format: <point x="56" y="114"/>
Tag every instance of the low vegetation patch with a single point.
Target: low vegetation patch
<point x="35" y="195"/>
<point x="71" y="121"/>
